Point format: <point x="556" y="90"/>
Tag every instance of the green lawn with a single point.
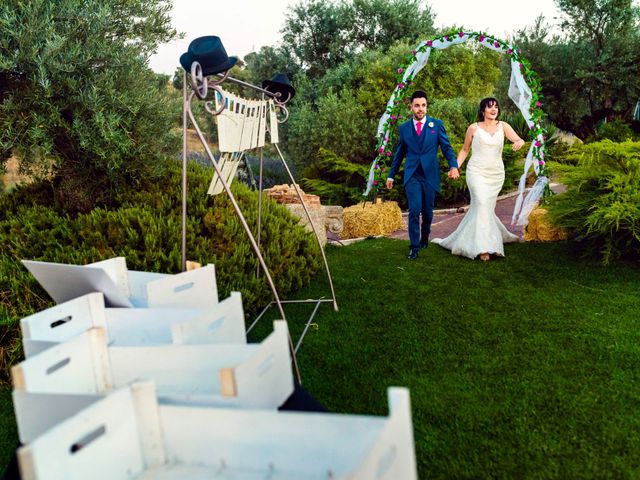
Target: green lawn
<point x="8" y="432"/>
<point x="525" y="367"/>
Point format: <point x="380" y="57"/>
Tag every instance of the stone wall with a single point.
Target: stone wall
<point x="324" y="218"/>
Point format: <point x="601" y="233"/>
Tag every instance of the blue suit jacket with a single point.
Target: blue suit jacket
<point x="422" y="150"/>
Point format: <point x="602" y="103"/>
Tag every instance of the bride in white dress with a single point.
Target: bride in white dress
<point x="481" y="233"/>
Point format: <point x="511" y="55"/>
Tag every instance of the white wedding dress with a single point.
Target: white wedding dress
<point x="481" y="231"/>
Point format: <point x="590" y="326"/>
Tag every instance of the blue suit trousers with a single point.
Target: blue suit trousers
<point x="421" y="198"/>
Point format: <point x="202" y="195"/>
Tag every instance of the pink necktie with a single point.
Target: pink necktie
<point x="419" y="128"/>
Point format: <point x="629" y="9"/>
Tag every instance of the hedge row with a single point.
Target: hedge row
<point x="145" y="228"/>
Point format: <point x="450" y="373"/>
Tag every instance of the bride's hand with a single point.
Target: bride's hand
<point x="517" y="145"/>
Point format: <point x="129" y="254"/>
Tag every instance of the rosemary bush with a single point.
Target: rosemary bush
<point x="602" y="203"/>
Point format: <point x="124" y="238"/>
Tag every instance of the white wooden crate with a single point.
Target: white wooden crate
<point x="127" y="435"/>
<point x="127" y="288"/>
<point x="220" y="323"/>
<point x="230" y="375"/>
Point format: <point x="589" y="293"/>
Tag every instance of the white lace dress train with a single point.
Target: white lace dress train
<point x="481" y="231"/>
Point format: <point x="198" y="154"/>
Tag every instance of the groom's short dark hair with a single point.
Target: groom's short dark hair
<point x="419" y="94"/>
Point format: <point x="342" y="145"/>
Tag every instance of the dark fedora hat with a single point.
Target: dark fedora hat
<point x="280" y="84"/>
<point x="209" y="53"/>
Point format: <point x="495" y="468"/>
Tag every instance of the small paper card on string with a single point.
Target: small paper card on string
<point x="263" y="123"/>
<point x="229" y="138"/>
<point x="273" y="122"/>
<point x="245" y="142"/>
<point x="238" y="123"/>
<point x="225" y="123"/>
<point x="255" y="115"/>
<point x="228" y="165"/>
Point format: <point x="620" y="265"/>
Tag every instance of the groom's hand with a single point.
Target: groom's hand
<point x="454" y="173"/>
<point x="389" y="183"/>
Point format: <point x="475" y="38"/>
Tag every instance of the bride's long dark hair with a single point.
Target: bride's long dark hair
<point x="487" y="102"/>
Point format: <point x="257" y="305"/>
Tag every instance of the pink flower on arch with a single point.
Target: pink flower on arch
<point x="496" y="44"/>
<point x="461" y="34"/>
<point x="509" y="51"/>
<point x="400" y="70"/>
<point x="429" y="43"/>
<point x="375" y="182"/>
<point x="537" y="143"/>
<point x="538" y="103"/>
<point x="541" y="162"/>
<point x="447" y="38"/>
<point x="381" y="150"/>
<point x="481" y="38"/>
<point x="388" y="154"/>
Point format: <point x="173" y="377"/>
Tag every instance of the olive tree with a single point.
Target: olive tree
<point x="79" y="104"/>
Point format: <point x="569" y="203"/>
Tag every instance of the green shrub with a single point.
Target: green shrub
<point x="602" y="203"/>
<point x="336" y="180"/>
<point x="615" y="130"/>
<point x="456" y="114"/>
<point x="518" y="123"/>
<point x="559" y="153"/>
<point x="452" y="192"/>
<point x="146" y="230"/>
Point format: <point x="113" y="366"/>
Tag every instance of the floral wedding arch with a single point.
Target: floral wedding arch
<point x="524" y="91"/>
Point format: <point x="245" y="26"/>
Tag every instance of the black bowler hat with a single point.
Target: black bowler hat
<point x="209" y="53"/>
<point x="280" y="84"/>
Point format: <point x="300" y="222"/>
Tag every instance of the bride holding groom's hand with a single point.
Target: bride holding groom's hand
<point x="481" y="233"/>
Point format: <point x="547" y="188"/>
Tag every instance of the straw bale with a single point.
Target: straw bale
<point x="367" y="219"/>
<point x="540" y="230"/>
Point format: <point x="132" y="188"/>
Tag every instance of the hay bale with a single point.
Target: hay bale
<point x="367" y="219"/>
<point x="540" y="230"/>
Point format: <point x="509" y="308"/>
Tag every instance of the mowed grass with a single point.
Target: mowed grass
<point x="523" y="367"/>
<point x="8" y="429"/>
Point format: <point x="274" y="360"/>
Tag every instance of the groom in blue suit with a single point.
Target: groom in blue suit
<point x="419" y="139"/>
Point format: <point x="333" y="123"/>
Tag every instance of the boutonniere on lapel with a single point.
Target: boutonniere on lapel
<point x="430" y="124"/>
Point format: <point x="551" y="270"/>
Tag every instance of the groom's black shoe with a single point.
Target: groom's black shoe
<point x="424" y="245"/>
<point x="413" y="254"/>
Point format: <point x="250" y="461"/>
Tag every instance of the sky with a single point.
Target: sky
<point x="246" y="25"/>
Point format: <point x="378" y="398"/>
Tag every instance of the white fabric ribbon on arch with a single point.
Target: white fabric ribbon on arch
<point x="519" y="93"/>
